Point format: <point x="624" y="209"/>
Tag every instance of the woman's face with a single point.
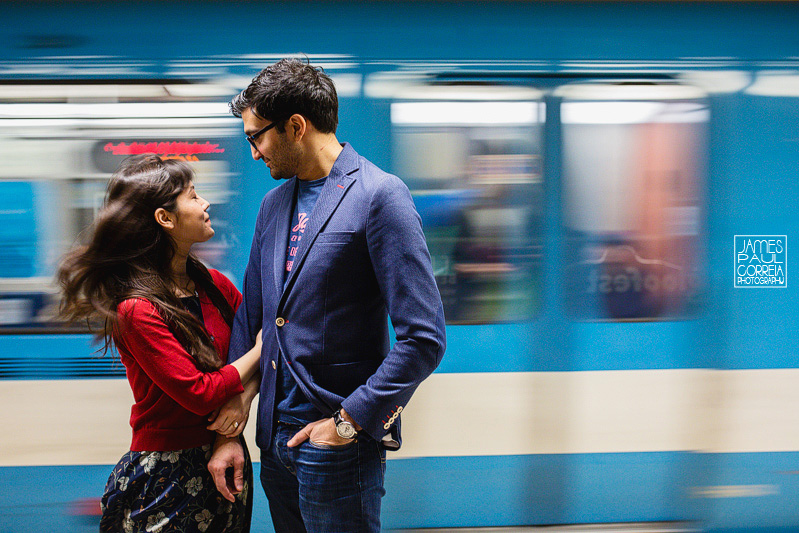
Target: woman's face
<point x="192" y="224"/>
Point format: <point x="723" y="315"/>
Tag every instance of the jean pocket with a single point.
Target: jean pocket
<point x="332" y="447"/>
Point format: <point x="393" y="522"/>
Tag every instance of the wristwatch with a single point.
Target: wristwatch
<point x="344" y="429"/>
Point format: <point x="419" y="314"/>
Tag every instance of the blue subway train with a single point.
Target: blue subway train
<point x="607" y="190"/>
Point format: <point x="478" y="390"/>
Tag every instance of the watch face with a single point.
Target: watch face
<point x="345" y="430"/>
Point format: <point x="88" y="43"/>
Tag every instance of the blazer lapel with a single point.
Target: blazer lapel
<point x="333" y="191"/>
<point x="286" y="205"/>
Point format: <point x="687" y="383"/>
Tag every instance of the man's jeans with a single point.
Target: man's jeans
<point x="323" y="489"/>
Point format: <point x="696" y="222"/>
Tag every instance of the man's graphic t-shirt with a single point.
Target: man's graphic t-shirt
<point x="293" y="407"/>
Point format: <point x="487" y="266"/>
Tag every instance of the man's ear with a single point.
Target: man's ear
<point x="297" y="126"/>
<point x="164" y="218"/>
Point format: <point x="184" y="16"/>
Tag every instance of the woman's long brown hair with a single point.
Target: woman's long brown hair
<point x="128" y="255"/>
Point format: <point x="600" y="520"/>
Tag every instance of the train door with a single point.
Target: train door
<point x="473" y="156"/>
<point x="632" y="176"/>
<point x="566" y="241"/>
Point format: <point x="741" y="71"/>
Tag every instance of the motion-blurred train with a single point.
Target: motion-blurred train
<point x="607" y="189"/>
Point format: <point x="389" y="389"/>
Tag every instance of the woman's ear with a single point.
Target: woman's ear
<point x="164" y="218"/>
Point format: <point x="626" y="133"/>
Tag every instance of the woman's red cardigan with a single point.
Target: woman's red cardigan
<point x="173" y="398"/>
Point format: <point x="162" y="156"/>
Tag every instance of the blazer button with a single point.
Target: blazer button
<point x="279" y="321"/>
<point x="274" y="366"/>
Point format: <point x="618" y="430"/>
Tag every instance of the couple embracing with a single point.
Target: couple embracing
<point x="338" y="248"/>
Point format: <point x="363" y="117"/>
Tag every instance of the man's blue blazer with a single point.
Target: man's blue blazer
<point x="363" y="257"/>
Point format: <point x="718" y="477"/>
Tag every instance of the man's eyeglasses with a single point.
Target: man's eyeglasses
<point x="251" y="138"/>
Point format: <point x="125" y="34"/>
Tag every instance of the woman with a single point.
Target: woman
<point x="169" y="318"/>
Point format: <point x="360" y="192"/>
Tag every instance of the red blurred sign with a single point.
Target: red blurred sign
<point x="164" y="148"/>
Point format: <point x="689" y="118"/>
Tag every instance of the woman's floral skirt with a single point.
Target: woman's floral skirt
<point x="171" y="492"/>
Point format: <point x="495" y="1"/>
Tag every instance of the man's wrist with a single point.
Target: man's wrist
<point x="349" y="419"/>
<point x="221" y="440"/>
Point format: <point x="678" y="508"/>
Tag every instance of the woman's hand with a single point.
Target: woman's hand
<point x="230" y="419"/>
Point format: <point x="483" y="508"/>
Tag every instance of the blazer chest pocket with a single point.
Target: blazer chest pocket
<point x="335" y="237"/>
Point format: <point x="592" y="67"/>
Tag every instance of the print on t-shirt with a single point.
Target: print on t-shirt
<point x="294" y="241"/>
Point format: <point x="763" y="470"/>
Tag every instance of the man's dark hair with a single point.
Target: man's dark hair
<point x="287" y="87"/>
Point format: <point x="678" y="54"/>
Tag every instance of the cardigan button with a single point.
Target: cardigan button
<point x="279" y="321"/>
<point x="274" y="365"/>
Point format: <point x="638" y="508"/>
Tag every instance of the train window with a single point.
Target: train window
<point x="472" y="159"/>
<point x="633" y="176"/>
<point x="60" y="142"/>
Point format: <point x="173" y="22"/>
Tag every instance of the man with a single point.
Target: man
<point x="337" y="247"/>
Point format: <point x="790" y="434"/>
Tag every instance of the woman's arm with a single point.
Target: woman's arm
<point x="250" y="362"/>
<point x="230" y="419"/>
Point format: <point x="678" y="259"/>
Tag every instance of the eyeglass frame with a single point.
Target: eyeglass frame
<point x="252" y="138"/>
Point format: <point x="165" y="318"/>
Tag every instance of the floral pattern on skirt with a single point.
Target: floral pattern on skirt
<point x="172" y="492"/>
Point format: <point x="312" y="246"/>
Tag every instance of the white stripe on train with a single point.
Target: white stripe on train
<point x="65" y="422"/>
